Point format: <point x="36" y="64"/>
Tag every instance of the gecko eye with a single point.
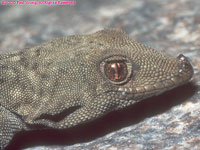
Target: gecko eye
<point x="116" y="71"/>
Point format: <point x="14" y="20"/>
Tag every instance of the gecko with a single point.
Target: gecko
<point x="90" y="75"/>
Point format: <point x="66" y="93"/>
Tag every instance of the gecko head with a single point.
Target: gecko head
<point x="136" y="72"/>
<point x="142" y="77"/>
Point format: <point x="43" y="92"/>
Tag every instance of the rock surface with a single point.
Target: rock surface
<point x="169" y="121"/>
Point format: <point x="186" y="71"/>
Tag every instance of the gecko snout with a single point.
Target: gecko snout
<point x="185" y="68"/>
<point x="184" y="63"/>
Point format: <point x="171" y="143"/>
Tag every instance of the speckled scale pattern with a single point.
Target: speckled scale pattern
<point x="65" y="73"/>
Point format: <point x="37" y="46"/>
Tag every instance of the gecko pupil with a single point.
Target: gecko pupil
<point x="116" y="71"/>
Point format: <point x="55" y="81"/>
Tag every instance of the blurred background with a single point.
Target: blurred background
<point x="169" y="121"/>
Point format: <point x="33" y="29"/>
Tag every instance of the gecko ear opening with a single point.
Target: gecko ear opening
<point x="116" y="69"/>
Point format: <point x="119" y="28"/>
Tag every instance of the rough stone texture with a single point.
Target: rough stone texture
<point x="169" y="121"/>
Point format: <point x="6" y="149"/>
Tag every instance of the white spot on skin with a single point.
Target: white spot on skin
<point x="120" y="89"/>
<point x="15" y="93"/>
<point x="182" y="58"/>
